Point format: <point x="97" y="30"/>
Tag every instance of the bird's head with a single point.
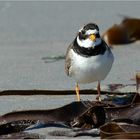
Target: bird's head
<point x="88" y="36"/>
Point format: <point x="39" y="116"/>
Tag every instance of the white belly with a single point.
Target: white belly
<point x="91" y="69"/>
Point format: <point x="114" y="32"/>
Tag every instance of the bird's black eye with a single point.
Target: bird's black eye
<point x="98" y="35"/>
<point x="82" y="36"/>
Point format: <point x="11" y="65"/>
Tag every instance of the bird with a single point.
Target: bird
<point x="88" y="58"/>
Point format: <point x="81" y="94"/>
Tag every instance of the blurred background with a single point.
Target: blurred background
<point x="32" y="32"/>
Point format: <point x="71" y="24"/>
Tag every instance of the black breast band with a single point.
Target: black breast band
<point x="87" y="52"/>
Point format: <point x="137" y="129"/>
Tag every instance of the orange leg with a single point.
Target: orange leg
<point x="77" y="89"/>
<point x="99" y="92"/>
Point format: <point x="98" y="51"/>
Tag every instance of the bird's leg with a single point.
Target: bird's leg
<point x="99" y="92"/>
<point x="77" y="89"/>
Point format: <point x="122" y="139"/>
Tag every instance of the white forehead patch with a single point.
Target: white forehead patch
<point x="89" y="32"/>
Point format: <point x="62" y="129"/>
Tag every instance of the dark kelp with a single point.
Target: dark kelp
<point x="84" y="115"/>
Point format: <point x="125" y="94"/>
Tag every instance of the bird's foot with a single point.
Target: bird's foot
<point x="98" y="98"/>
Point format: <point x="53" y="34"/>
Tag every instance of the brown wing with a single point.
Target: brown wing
<point x="68" y="60"/>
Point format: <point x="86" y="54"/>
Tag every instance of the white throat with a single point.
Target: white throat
<point x="88" y="43"/>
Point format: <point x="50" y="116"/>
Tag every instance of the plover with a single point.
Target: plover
<point x="88" y="58"/>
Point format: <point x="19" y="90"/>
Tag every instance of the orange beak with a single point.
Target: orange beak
<point x="92" y="37"/>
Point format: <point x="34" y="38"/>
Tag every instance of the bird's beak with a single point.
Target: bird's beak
<point x="92" y="37"/>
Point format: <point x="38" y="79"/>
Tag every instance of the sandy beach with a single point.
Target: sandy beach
<point x="32" y="31"/>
